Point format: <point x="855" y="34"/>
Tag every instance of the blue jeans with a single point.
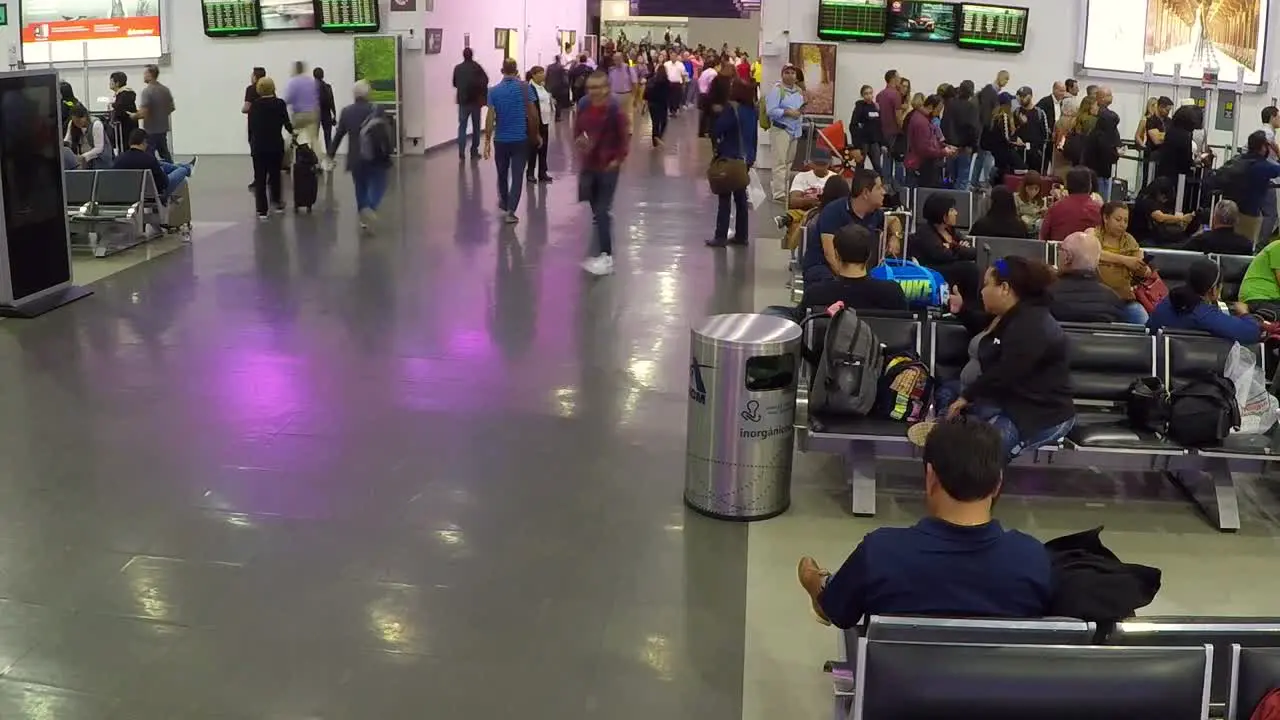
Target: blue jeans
<point x="177" y="173"/>
<point x="465" y="113"/>
<point x="511" y="157"/>
<point x="959" y="168"/>
<point x="1013" y="441"/>
<point x="1269" y="216"/>
<point x="371" y="185"/>
<point x="602" y="186"/>
<point x="1135" y="313"/>
<point x="982" y="167"/>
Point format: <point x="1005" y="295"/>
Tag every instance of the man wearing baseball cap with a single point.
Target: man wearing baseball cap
<point x="1034" y="129"/>
<point x="784" y="106"/>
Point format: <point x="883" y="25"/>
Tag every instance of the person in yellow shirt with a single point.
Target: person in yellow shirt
<point x="757" y="71"/>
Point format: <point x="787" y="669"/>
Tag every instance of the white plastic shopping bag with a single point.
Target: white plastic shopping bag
<point x="755" y="190"/>
<point x="1259" y="409"/>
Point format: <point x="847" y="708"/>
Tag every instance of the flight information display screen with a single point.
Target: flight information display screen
<point x="992" y="27"/>
<point x="348" y="15"/>
<point x="858" y="20"/>
<point x="230" y="18"/>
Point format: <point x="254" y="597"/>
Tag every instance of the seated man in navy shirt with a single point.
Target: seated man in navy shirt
<point x="956" y="562"/>
<point x="168" y="176"/>
<point x="820" y="260"/>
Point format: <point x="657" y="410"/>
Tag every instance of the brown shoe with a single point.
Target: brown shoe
<point x="806" y="571"/>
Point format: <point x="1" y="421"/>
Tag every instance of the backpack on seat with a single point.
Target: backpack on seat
<point x="1148" y="405"/>
<point x="905" y="388"/>
<point x="847" y="373"/>
<point x="1204" y="411"/>
<point x="924" y="287"/>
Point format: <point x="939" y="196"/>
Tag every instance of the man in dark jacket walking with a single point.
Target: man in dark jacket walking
<point x="988" y="101"/>
<point x="328" y="109"/>
<point x="472" y="84"/>
<point x="558" y="86"/>
<point x="961" y="128"/>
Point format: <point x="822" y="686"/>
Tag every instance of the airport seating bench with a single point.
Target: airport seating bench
<point x="110" y="210"/>
<point x="974" y="663"/>
<point x="1105" y="360"/>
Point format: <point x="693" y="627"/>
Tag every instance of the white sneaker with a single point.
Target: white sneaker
<point x="599" y="265"/>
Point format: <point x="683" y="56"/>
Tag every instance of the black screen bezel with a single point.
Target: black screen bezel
<point x="955" y="20"/>
<point x="992" y="48"/>
<point x="238" y="33"/>
<point x="884" y="33"/>
<point x="377" y="8"/>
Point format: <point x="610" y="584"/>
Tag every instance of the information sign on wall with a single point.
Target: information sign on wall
<point x="76" y="30"/>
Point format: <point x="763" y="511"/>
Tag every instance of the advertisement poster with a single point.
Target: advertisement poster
<point x="817" y="61"/>
<point x="376" y="62"/>
<point x="67" y="30"/>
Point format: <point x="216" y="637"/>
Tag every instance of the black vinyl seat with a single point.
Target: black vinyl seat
<point x="965" y="214"/>
<point x="1255" y="672"/>
<point x="1187" y="353"/>
<point x="990" y="248"/>
<point x="924" y="681"/>
<point x="1233" y="269"/>
<point x="1174" y="266"/>
<point x="1219" y="632"/>
<point x="1104" y="365"/>
<point x="997" y="631"/>
<point x="80" y="186"/>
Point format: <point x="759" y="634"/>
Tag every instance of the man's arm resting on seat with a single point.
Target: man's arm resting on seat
<point x="840" y="598"/>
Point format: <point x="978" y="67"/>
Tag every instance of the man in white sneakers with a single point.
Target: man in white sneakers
<point x="602" y="136"/>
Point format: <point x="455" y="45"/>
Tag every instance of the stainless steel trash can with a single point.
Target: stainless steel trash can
<point x="742" y="404"/>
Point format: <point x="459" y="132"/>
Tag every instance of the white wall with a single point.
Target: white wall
<point x="1052" y="41"/>
<point x="208" y="76"/>
<point x="539" y="20"/>
<point x="737" y="32"/>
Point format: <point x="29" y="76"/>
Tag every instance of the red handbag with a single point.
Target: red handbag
<point x="1150" y="290"/>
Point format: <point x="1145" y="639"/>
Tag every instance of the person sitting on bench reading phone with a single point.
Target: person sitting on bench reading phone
<point x="957" y="561"/>
<point x="168" y="176"/>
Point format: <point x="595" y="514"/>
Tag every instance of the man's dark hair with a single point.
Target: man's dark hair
<point x="1070" y="84"/>
<point x="299" y="67"/>
<point x="1079" y="181"/>
<point x="933" y="101"/>
<point x="965" y="90"/>
<point x="1164" y="102"/>
<point x="137" y="136"/>
<point x="967" y="456"/>
<point x="1257" y="143"/>
<point x="854" y="244"/>
<point x="864" y="180"/>
<point x="259" y="73"/>
<point x="119" y="78"/>
<point x="509" y="67"/>
<point x="318" y="73"/>
<point x="889" y="75"/>
<point x="467" y="53"/>
<point x="153" y="69"/>
<point x="1269" y="112"/>
<point x="1090" y="90"/>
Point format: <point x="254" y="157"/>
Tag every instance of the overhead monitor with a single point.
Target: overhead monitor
<point x="992" y="27"/>
<point x="343" y="16"/>
<point x="694" y="8"/>
<point x="857" y="20"/>
<point x="231" y="18"/>
<point x="1124" y="35"/>
<point x="288" y="15"/>
<point x="921" y="21"/>
<point x="77" y="30"/>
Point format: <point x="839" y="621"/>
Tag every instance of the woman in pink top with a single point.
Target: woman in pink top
<point x="925" y="149"/>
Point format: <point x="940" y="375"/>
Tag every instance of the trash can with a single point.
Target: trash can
<point x="742" y="403"/>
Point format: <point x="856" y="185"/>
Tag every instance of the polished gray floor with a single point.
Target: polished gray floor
<point x="291" y="473"/>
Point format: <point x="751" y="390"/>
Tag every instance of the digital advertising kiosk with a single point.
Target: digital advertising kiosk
<point x="35" y="261"/>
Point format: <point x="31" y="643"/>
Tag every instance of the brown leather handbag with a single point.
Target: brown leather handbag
<point x="728" y="175"/>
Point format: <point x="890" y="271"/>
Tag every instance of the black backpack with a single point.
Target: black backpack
<point x="848" y="370"/>
<point x="1148" y="405"/>
<point x="1204" y="410"/>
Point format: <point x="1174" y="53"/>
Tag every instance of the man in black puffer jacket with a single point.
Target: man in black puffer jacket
<point x="1078" y="295"/>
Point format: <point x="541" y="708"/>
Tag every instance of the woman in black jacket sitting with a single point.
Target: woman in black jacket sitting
<point x="1019" y="375"/>
<point x="938" y="245"/>
<point x="1002" y="219"/>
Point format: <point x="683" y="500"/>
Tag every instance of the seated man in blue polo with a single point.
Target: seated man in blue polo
<point x="863" y="208"/>
<point x="168" y="176"/>
<point x="956" y="562"/>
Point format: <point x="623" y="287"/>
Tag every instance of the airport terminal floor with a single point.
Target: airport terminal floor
<point x="288" y="472"/>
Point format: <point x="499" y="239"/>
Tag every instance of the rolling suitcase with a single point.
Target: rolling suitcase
<point x="180" y="210"/>
<point x="306" y="181"/>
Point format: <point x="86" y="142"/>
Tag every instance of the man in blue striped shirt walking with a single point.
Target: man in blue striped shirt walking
<point x="507" y="135"/>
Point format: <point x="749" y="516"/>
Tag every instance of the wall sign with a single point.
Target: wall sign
<point x="56" y="31"/>
<point x="434" y="41"/>
<point x="404" y="5"/>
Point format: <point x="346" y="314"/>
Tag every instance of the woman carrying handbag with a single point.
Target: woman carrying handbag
<point x="734" y="136"/>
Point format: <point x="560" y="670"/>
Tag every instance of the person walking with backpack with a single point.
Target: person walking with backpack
<point x="369" y="152"/>
<point x="512" y="126"/>
<point x="602" y="135"/>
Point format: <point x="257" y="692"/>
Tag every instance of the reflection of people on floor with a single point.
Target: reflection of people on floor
<point x="168" y="176"/>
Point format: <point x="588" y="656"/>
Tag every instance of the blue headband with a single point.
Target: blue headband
<point x="1001" y="267"/>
